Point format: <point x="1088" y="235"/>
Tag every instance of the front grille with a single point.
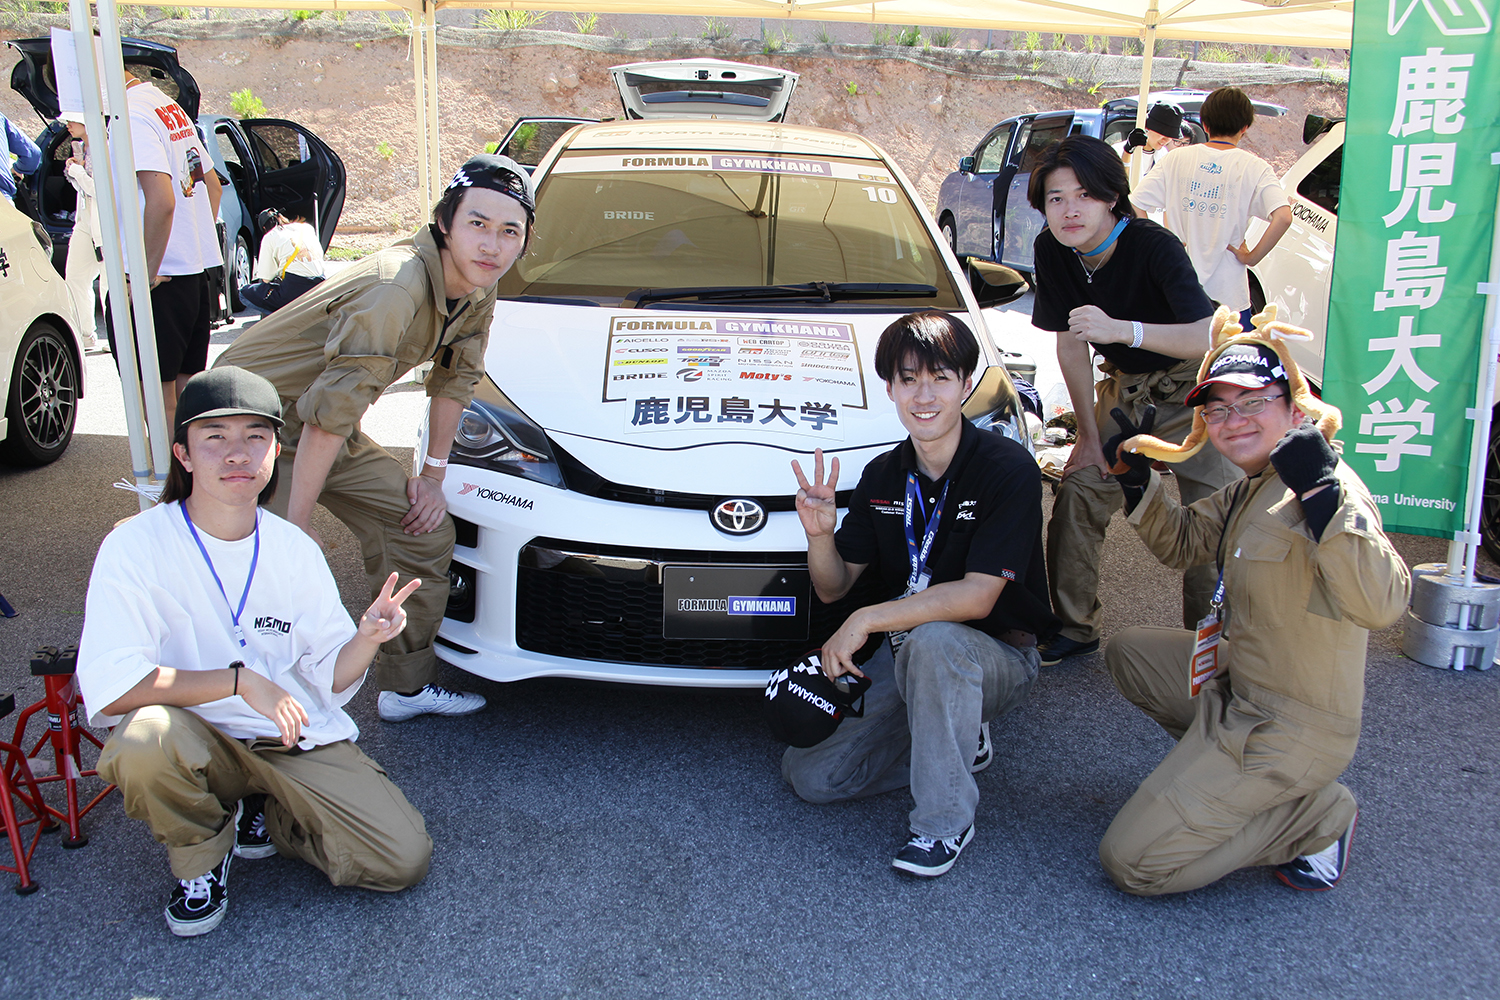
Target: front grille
<point x="611" y="609"/>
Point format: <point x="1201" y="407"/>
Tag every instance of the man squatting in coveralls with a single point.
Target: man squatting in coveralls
<point x="1304" y="572"/>
<point x="335" y="349"/>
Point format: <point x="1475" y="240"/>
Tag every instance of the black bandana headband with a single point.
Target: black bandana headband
<point x="498" y="173"/>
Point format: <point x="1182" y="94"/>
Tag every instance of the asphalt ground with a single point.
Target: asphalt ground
<point x="597" y="840"/>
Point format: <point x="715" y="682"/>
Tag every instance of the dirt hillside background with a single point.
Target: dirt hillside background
<point x="355" y="89"/>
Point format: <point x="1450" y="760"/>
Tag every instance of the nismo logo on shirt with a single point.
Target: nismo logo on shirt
<point x="272" y="626"/>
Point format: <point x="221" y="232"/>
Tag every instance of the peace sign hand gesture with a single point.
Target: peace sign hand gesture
<point x="385" y="618"/>
<point x="816" y="503"/>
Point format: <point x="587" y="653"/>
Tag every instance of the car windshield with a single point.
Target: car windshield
<point x="612" y="223"/>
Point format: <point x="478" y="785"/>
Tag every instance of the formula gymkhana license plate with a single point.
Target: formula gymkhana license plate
<point x="735" y="602"/>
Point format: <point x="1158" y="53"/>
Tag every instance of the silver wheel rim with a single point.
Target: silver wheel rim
<point x="241" y="264"/>
<point x="49" y="393"/>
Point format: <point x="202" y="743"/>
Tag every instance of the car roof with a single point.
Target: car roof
<point x="754" y="137"/>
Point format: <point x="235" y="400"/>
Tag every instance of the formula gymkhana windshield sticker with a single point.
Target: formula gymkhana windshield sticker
<point x="733" y="375"/>
<point x="803" y="166"/>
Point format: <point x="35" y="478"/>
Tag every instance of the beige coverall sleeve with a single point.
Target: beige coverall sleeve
<point x="1359" y="574"/>
<point x="455" y="377"/>
<point x="1181" y="537"/>
<point x="360" y="356"/>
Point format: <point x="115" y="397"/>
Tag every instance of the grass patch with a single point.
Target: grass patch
<point x="245" y="104"/>
<point x="715" y="28"/>
<point x="511" y="20"/>
<point x="585" y="24"/>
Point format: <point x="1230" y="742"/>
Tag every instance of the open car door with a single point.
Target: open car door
<point x="296" y="173"/>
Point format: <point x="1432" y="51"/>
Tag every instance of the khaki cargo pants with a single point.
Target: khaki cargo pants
<point x="366" y="489"/>
<point x="1087" y="499"/>
<point x="1243" y="786"/>
<point x="333" y="807"/>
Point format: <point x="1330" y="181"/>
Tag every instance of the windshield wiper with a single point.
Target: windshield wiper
<point x="812" y="291"/>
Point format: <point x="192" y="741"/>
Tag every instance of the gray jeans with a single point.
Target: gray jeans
<point x="920" y="727"/>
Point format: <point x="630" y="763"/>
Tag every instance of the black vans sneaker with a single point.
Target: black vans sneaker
<point x="986" y="751"/>
<point x="198" y="904"/>
<point x="928" y="856"/>
<point x="251" y="841"/>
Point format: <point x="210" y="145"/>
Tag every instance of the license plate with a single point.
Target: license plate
<point x="735" y="602"/>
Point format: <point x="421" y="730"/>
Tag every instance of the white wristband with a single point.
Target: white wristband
<point x="436" y="463"/>
<point x="1139" y="331"/>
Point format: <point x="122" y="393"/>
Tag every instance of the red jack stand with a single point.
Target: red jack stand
<point x="56" y="668"/>
<point x="23" y="787"/>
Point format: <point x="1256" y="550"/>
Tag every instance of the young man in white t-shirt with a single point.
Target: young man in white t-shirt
<point x="1210" y="191"/>
<point x="216" y="645"/>
<point x="179" y="195"/>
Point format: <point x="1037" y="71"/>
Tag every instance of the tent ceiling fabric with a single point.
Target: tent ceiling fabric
<point x="1306" y="23"/>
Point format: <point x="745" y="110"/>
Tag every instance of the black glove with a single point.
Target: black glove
<point x="1304" y="460"/>
<point x="1139" y="472"/>
<point x="1135" y="140"/>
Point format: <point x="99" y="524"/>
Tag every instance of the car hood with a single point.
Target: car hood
<point x="620" y="388"/>
<point x="33" y="77"/>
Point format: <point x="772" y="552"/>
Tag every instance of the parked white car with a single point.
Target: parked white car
<point x="41" y="358"/>
<point x="699" y="306"/>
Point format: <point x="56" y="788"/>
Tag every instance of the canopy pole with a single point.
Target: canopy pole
<point x="131" y="343"/>
<point x="419" y="76"/>
<point x="1463" y="551"/>
<point x="114" y="268"/>
<point x="434" y="145"/>
<point x="1148" y="53"/>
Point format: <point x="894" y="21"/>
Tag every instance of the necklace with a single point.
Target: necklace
<point x="1109" y="241"/>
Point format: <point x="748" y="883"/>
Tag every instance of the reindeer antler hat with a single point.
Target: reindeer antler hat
<point x="1246" y="359"/>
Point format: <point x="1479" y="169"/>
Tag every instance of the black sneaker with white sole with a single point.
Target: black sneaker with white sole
<point x="929" y="856"/>
<point x="251" y="839"/>
<point x="986" y="751"/>
<point x="198" y="904"/>
<point x="1321" y="871"/>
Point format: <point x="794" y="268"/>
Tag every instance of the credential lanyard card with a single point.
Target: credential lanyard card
<point x="920" y="576"/>
<point x="1205" y="662"/>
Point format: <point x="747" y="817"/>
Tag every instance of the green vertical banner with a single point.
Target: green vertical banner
<point x="1416" y="217"/>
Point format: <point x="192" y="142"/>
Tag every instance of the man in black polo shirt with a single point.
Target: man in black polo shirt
<point x="950" y="523"/>
<point x="1125" y="288"/>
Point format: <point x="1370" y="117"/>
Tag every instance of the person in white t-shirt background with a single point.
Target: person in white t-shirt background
<point x="179" y="193"/>
<point x="84" y="256"/>
<point x="290" y="261"/>
<point x="216" y="645"/>
<point x="1210" y="191"/>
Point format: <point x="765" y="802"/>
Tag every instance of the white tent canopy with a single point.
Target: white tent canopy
<point x="1311" y="23"/>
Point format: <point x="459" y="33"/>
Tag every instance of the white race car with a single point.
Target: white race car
<point x="699" y="305"/>
<point x="41" y="359"/>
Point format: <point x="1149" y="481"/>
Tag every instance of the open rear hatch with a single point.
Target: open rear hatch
<point x="704" y="88"/>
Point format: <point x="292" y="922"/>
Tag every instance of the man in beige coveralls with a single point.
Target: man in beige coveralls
<point x="1306" y="571"/>
<point x="334" y="350"/>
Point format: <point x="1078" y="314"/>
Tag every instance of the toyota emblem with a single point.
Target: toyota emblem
<point x="738" y="517"/>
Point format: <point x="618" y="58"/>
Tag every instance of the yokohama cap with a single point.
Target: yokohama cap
<point x="1248" y="366"/>
<point x="227" y="392"/>
<point x="804" y="707"/>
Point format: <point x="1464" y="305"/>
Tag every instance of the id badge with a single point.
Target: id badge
<point x="897" y="638"/>
<point x="1205" y="662"/>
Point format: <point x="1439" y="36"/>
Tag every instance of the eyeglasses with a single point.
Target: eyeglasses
<point x="1247" y="407"/>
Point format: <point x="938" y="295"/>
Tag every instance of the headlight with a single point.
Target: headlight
<point x="494" y="434"/>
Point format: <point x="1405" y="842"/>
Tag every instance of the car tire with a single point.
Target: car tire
<point x="43" y="403"/>
<point x="239" y="271"/>
<point x="1489" y="503"/>
<point x="950" y="234"/>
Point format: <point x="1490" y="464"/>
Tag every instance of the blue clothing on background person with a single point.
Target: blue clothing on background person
<point x="28" y="157"/>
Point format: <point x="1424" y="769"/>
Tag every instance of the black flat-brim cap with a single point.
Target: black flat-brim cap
<point x="228" y="392"/>
<point x="1248" y="366"/>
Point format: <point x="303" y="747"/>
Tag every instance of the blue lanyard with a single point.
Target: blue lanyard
<point x="1114" y="234"/>
<point x="234" y="615"/>
<point x="919" y="557"/>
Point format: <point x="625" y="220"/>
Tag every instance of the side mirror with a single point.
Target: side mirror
<point x="994" y="284"/>
<point x="966" y="165"/>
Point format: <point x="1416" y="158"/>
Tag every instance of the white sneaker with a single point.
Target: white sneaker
<point x="431" y="700"/>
